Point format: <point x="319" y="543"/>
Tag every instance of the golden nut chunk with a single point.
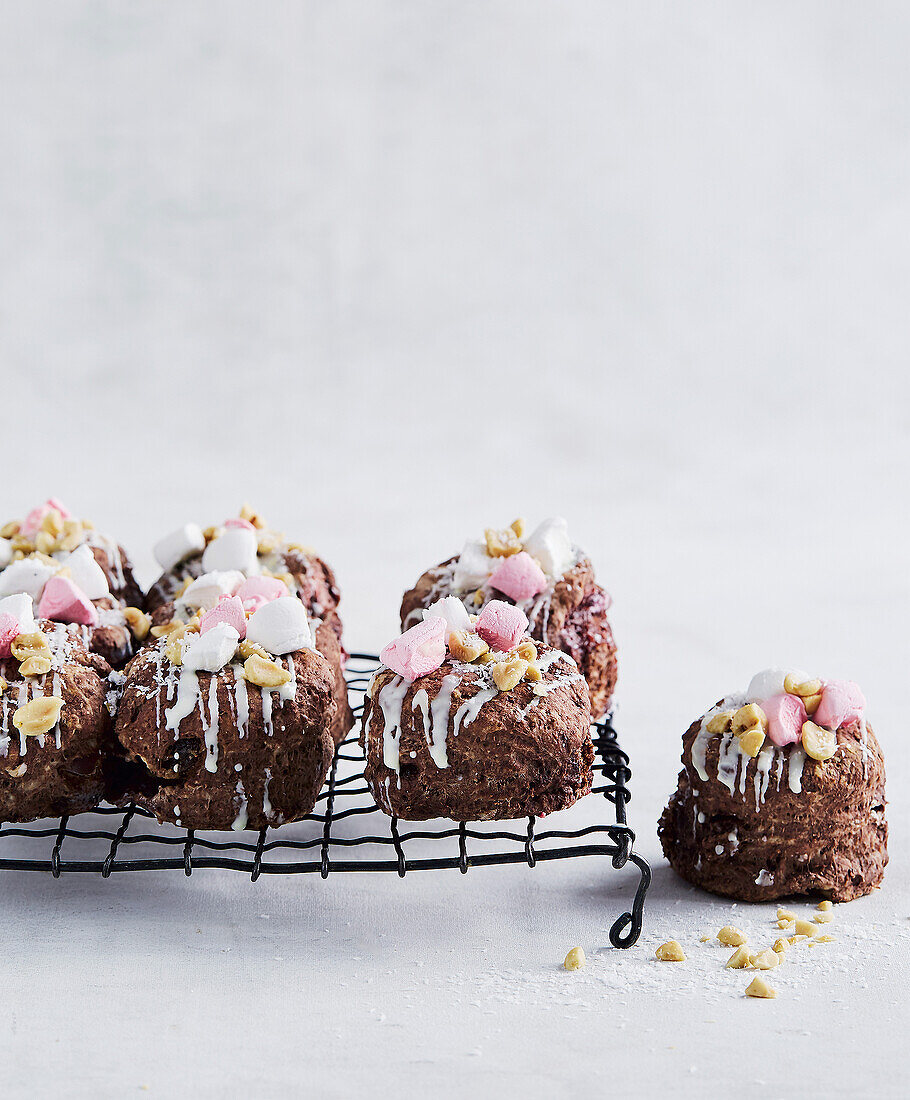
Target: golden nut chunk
<point x="8" y="530"/>
<point x="748" y="716"/>
<point x="3" y="685"/>
<point x="501" y="544"/>
<point x="819" y="743"/>
<point x="781" y="946"/>
<point x="739" y="960"/>
<point x="509" y="674"/>
<point x="785" y="923"/>
<point x="823" y="918"/>
<point x="527" y="651"/>
<point x="466" y="647"/>
<point x="765" y="960"/>
<point x="519" y="526"/>
<point x="173" y="648"/>
<point x="731" y="937"/>
<point x="785" y="915"/>
<point x="267" y="544"/>
<point x="45" y="542"/>
<point x="804" y="928"/>
<point x="533" y="674"/>
<point x="804" y="688"/>
<point x="138" y="622"/>
<point x="751" y="740"/>
<point x="825" y="906"/>
<point x="575" y="960"/>
<point x="824" y="939"/>
<point x="20" y="542"/>
<point x="265" y="673"/>
<point x="30" y="645"/>
<point x="249" y="649"/>
<point x="38" y="716"/>
<point x="720" y="722"/>
<point x="35" y="666"/>
<point x="812" y="703"/>
<point x="794" y="940"/>
<point x="758" y="987"/>
<point x="52" y="523"/>
<point x="165" y="629"/>
<point x="670" y="951"/>
<point x="252" y="516"/>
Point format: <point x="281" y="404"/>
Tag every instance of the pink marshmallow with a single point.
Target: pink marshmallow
<point x="32" y="522"/>
<point x="65" y="602"/>
<point x="519" y="577"/>
<point x="9" y="631"/>
<point x="229" y="609"/>
<point x="418" y="651"/>
<point x="842" y="701"/>
<point x="501" y="625"/>
<point x="236" y="521"/>
<point x="255" y="591"/>
<point x="786" y="715"/>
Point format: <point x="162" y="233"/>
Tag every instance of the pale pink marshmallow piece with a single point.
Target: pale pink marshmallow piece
<point x="65" y="602"/>
<point x="842" y="701"/>
<point x="519" y="577"/>
<point x="419" y="651"/>
<point x="229" y="609"/>
<point x="32" y="521"/>
<point x="236" y="521"/>
<point x="9" y="631"/>
<point x="785" y="714"/>
<point x="501" y="625"/>
<point x="259" y="590"/>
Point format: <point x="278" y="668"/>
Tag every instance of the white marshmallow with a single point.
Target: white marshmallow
<point x="179" y="544"/>
<point x="211" y="650"/>
<point x="87" y="573"/>
<point x="235" y="549"/>
<point x="453" y="611"/>
<point x="207" y="590"/>
<point x="6" y="553"/>
<point x="25" y="575"/>
<point x="550" y="544"/>
<point x="280" y="626"/>
<point x="770" y="681"/>
<point x="22" y="610"/>
<point x="474" y="566"/>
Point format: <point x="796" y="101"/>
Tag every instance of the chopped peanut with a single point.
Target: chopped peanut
<point x="478" y="597"/>
<point x="824" y="906"/>
<point x="138" y="622"/>
<point x="575" y="960"/>
<point x="765" y="960"/>
<point x="824" y="939"/>
<point x="670" y="951"/>
<point x="794" y="940"/>
<point x="509" y="674"/>
<point x="165" y="629"/>
<point x="30" y="645"/>
<point x="248" y="649"/>
<point x="731" y="937"/>
<point x="519" y="526"/>
<point x="748" y="716"/>
<point x="785" y="923"/>
<point x="751" y="740"/>
<point x="785" y="914"/>
<point x="720" y="722"/>
<point x="38" y="716"/>
<point x="758" y="987"/>
<point x="803" y="688"/>
<point x="9" y="529"/>
<point x="35" y="666"/>
<point x="804" y="928"/>
<point x="812" y="703"/>
<point x="823" y="918"/>
<point x="781" y="945"/>
<point x="527" y="651"/>
<point x="501" y="544"/>
<point x="267" y="544"/>
<point x="739" y="960"/>
<point x="533" y="674"/>
<point x="819" y="743"/>
<point x="264" y="673"/>
<point x="251" y="516"/>
<point x="45" y="542"/>
<point x="173" y="648"/>
<point x="466" y="647"/>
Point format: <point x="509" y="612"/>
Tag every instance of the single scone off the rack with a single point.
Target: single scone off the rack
<point x="469" y="718"/>
<point x="226" y="721"/>
<point x="546" y="575"/>
<point x="782" y="792"/>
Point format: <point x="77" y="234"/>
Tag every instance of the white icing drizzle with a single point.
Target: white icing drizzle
<point x="187" y="698"/>
<point x="267" y="713"/>
<point x="795" y="760"/>
<point x="390" y="700"/>
<point x="243" y="703"/>
<point x="242" y="817"/>
<point x="210" y="727"/>
<point x="436" y="718"/>
<point x="289" y="690"/>
<point x="469" y="710"/>
<point x="763" y="764"/>
<point x="266" y="804"/>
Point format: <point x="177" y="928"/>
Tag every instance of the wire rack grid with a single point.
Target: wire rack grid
<point x="345" y="833"/>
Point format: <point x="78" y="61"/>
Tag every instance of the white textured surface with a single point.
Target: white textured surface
<point x="394" y="271"/>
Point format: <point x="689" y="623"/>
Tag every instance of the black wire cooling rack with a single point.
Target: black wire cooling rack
<point x="346" y="822"/>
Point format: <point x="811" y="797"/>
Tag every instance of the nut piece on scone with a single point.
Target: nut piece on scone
<point x="245" y="557"/>
<point x="55" y="727"/>
<point x="211" y="739"/>
<point x="805" y="814"/>
<point x="544" y="574"/>
<point x="72" y="574"/>
<point x="444" y="737"/>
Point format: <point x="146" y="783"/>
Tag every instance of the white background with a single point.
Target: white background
<point x="398" y="271"/>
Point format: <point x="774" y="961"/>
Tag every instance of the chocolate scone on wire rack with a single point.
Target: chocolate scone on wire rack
<point x="782" y="792"/>
<point x="549" y="578"/>
<point x="469" y="718"/>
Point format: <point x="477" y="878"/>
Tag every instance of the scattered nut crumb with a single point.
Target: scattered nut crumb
<point x="575" y="960"/>
<point x="739" y="960"/>
<point x="804" y="928"/>
<point x="824" y="939"/>
<point x="758" y="987"/>
<point x="731" y="937"/>
<point x="786" y="915"/>
<point x="824" y="906"/>
<point x="670" y="951"/>
<point x="765" y="960"/>
<point x="823" y="918"/>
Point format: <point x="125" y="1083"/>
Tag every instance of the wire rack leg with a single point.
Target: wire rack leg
<point x="627" y="928"/>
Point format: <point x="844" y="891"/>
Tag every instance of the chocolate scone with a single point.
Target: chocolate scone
<point x="55" y="725"/>
<point x="75" y="575"/>
<point x="472" y="720"/>
<point x="782" y="793"/>
<point x="201" y="565"/>
<point x="224" y="732"/>
<point x="545" y="575"/>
